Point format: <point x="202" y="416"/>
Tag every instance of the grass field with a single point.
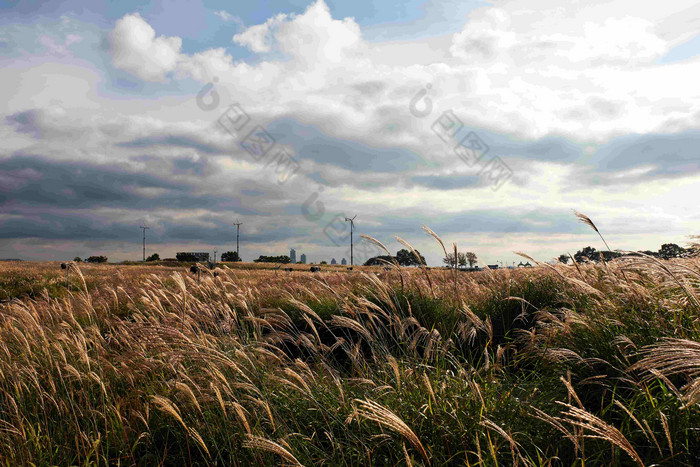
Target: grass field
<point x="147" y="365"/>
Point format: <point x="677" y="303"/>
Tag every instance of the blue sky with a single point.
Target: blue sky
<point x="200" y="24"/>
<point x="488" y="122"/>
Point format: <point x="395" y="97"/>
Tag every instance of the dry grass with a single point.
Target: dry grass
<point x="151" y="365"/>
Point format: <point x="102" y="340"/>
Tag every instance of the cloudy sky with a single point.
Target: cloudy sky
<point x="487" y="121"/>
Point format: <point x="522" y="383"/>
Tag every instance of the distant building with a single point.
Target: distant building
<point x="493" y="266"/>
<point x="524" y="265"/>
<point x="343" y="261"/>
<point x="293" y="255"/>
<point x="333" y="261"/>
<point x="303" y="259"/>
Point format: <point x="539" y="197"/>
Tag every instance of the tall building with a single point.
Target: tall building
<point x="333" y="261"/>
<point x="343" y="261"/>
<point x="293" y="255"/>
<point x="303" y="259"/>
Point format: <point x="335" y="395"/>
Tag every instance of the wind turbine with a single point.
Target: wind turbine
<point x="144" y="241"/>
<point x="238" y="226"/>
<point x="352" y="227"/>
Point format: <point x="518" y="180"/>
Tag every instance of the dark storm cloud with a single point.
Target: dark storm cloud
<point x="63" y="226"/>
<point x="380" y="167"/>
<point x="83" y="226"/>
<point x="655" y="157"/>
<point x="33" y="181"/>
<point x="38" y="181"/>
<point x="547" y="149"/>
<point x="59" y="200"/>
<point x="448" y="182"/>
<point x="180" y="165"/>
<point x="671" y="155"/>
<point x="312" y="144"/>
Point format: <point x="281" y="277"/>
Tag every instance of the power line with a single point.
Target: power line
<point x="352" y="227"/>
<point x="144" y="241"/>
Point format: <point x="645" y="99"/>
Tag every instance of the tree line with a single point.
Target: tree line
<point x="461" y="261"/>
<point x="403" y="257"/>
<point x="667" y="251"/>
<point x="91" y="259"/>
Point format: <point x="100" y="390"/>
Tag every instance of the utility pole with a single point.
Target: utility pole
<point x="238" y="226"/>
<point x="352" y="227"/>
<point x="144" y="241"/>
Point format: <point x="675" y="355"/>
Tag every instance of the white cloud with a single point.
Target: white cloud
<point x="313" y="37"/>
<point x="258" y="38"/>
<point x="485" y="36"/>
<point x="494" y="34"/>
<point x="316" y="37"/>
<point x="586" y="73"/>
<point x="625" y="39"/>
<point x="136" y="49"/>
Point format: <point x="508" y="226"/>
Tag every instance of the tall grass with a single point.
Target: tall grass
<point x="558" y="365"/>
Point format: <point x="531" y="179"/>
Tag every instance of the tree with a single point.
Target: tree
<point x="610" y="255"/>
<point x="471" y="258"/>
<point x="407" y="258"/>
<point x="230" y="256"/>
<point x="379" y="260"/>
<point x="77" y="259"/>
<point x="564" y="259"/>
<point x="462" y="260"/>
<point x="153" y="257"/>
<point x="323" y="262"/>
<point x="589" y="253"/>
<point x="671" y="250"/>
<point x="97" y="259"/>
<point x="449" y="260"/>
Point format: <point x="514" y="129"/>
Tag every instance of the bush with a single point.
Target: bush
<point x="230" y="256"/>
<point x="97" y="259"/>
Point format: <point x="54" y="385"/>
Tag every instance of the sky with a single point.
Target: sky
<point x="488" y="122"/>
